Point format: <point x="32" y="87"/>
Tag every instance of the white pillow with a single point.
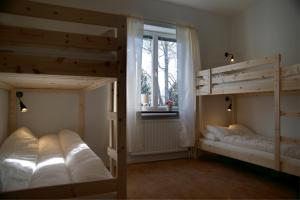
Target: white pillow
<point x="219" y="131"/>
<point x="18" y="156"/>
<point x="209" y="136"/>
<point x="240" y="129"/>
<point x="82" y="162"/>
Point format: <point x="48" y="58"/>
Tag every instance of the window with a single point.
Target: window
<point x="159" y="68"/>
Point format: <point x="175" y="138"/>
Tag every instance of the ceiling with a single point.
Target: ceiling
<point x="225" y="7"/>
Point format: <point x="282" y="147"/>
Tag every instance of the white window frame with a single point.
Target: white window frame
<point x="155" y="87"/>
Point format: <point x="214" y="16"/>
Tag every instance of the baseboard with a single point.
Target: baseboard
<point x="156" y="157"/>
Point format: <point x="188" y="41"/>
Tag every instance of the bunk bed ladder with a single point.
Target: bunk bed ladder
<point x="112" y="117"/>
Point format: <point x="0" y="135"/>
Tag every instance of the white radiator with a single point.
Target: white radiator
<point x="160" y="136"/>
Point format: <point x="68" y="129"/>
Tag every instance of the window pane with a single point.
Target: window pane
<point x="146" y="78"/>
<point x="167" y="71"/>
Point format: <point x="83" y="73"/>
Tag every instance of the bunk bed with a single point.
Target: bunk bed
<point x="49" y="59"/>
<point x="263" y="76"/>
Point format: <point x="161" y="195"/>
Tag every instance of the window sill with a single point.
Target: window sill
<point x="158" y="114"/>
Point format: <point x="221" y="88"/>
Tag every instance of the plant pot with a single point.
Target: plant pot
<point x="169" y="108"/>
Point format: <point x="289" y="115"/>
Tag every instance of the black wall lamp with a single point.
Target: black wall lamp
<point x="229" y="108"/>
<point x="23" y="108"/>
<point x="229" y="55"/>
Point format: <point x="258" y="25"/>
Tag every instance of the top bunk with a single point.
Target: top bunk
<point x="40" y="40"/>
<point x="253" y="76"/>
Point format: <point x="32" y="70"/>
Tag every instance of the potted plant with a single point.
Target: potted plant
<point x="169" y="104"/>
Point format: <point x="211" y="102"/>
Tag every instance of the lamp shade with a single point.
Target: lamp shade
<point x="23" y="107"/>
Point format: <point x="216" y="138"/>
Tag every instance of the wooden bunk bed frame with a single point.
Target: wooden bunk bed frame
<point x="33" y="72"/>
<point x="259" y="77"/>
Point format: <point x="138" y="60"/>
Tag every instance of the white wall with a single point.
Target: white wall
<point x="266" y="28"/>
<point x="3" y="114"/>
<point x="49" y="112"/>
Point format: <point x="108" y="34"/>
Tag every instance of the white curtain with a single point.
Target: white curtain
<point x="135" y="31"/>
<point x="188" y="62"/>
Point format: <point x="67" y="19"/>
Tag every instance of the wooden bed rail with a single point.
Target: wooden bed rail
<point x="254" y="76"/>
<point x="61" y="13"/>
<point x="64" y="191"/>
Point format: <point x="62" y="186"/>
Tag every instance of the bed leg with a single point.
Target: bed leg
<point x="298" y="188"/>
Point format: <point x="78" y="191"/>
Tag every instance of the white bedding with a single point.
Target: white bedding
<point x="82" y="162"/>
<point x="242" y="136"/>
<point x="54" y="159"/>
<point x="262" y="143"/>
<point x="249" y="151"/>
<point x="18" y="156"/>
<point x="50" y="168"/>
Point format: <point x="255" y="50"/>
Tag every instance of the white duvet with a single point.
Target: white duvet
<point x="262" y="143"/>
<point x="18" y="156"/>
<point x="82" y="162"/>
<point x="242" y="136"/>
<point x="27" y="162"/>
<point x="50" y="168"/>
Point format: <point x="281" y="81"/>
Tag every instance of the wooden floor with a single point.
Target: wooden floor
<point x="210" y="177"/>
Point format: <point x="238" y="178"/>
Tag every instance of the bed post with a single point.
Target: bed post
<point x="277" y="113"/>
<point x="121" y="111"/>
<point x="12" y="113"/>
<point x="81" y="124"/>
<point x="234" y="110"/>
<point x="200" y="122"/>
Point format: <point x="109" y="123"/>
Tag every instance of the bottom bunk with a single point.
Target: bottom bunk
<point x="241" y="143"/>
<point x="57" y="165"/>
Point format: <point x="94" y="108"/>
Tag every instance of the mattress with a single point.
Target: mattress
<point x="62" y="158"/>
<point x="262" y="143"/>
<point x="263" y="158"/>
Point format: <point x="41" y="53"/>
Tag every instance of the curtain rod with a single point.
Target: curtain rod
<point x="160" y="22"/>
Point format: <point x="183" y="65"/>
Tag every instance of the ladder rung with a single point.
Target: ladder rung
<point x="290" y="114"/>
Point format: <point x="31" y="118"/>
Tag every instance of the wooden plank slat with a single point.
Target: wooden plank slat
<point x="54" y="12"/>
<point x="289" y="140"/>
<point x="203" y="73"/>
<point x="99" y="83"/>
<point x="290" y="114"/>
<point x="209" y="81"/>
<point x="260" y="74"/>
<point x="14" y="63"/>
<point x="51" y="82"/>
<point x="112" y="153"/>
<point x="5" y="86"/>
<point x="289" y="72"/>
<point x="245" y="65"/>
<point x="64" y="191"/>
<point x="287" y="166"/>
<point x="16" y="36"/>
<point x="246" y="87"/>
<point x="277" y="123"/>
<point x="250" y="87"/>
<point x="244" y="156"/>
